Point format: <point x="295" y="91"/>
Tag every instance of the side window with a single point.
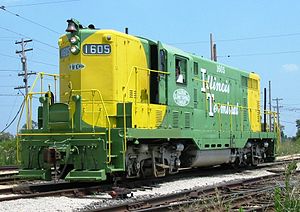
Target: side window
<point x="162" y="60"/>
<point x="195" y="68"/>
<point x="181" y="70"/>
<point x="244" y="81"/>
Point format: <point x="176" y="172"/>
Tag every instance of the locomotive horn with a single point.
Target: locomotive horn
<point x="71" y="26"/>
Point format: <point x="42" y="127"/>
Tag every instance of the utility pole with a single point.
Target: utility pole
<point x="24" y="64"/>
<point x="25" y="73"/>
<point x="213" y="48"/>
<point x="215" y="52"/>
<point x="278" y="114"/>
<point x="270" y="107"/>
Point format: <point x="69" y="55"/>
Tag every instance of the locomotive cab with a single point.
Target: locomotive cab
<point x="110" y="67"/>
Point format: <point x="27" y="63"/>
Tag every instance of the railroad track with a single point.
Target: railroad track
<point x="9" y="168"/>
<point x="8" y="175"/>
<point x="123" y="189"/>
<point x="252" y="195"/>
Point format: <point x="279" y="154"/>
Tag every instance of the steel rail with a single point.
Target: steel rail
<point x="207" y="194"/>
<point x="74" y="189"/>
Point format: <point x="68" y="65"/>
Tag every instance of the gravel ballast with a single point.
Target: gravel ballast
<point x="103" y="200"/>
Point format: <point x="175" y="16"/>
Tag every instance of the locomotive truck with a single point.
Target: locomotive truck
<point x="134" y="107"/>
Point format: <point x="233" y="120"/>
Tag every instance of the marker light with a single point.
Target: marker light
<point x="74" y="40"/>
<point x="74" y="49"/>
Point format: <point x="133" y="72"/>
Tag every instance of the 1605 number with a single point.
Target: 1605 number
<point x="96" y="49"/>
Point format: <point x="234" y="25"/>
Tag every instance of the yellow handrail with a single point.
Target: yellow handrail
<point x="242" y="108"/>
<point x="18" y="126"/>
<point x="136" y="69"/>
<point x="28" y="106"/>
<point x="106" y="115"/>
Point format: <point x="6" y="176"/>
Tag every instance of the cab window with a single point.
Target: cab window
<point x="180" y="70"/>
<point x="195" y="68"/>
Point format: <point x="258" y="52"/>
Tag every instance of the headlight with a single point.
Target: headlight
<point x="74" y="40"/>
<point x="74" y="49"/>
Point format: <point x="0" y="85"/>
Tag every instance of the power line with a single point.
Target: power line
<point x="9" y="70"/>
<point x="6" y="55"/>
<point x="41" y="3"/>
<point x="7" y="37"/>
<point x="11" y="110"/>
<point x="288" y="122"/>
<point x="287" y="105"/>
<point x="25" y="36"/>
<point x="7" y="75"/>
<point x="40" y="62"/>
<point x="43" y="50"/>
<point x="6" y="86"/>
<point x="260" y="37"/>
<point x="12" y="121"/>
<point x="5" y="94"/>
<point x="261" y="54"/>
<point x="33" y="61"/>
<point x="242" y="39"/>
<point x="27" y="19"/>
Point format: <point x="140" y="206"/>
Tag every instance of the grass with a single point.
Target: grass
<point x="288" y="148"/>
<point x="8" y="152"/>
<point x="287" y="199"/>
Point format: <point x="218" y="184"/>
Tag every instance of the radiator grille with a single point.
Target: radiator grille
<point x="187" y="120"/>
<point x="175" y="119"/>
<point x="158" y="118"/>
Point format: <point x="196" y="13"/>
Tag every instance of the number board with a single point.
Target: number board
<point x="96" y="49"/>
<point x="64" y="52"/>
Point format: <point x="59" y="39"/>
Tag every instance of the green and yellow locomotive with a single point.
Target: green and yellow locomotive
<point x="130" y="106"/>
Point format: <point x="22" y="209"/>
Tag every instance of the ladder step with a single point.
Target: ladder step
<point x="113" y="156"/>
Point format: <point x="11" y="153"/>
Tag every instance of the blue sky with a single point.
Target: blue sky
<point x="258" y="35"/>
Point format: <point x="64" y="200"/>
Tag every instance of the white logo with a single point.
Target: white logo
<point x="212" y="83"/>
<point x="227" y="109"/>
<point x="221" y="69"/>
<point x="181" y="97"/>
<point x="76" y="66"/>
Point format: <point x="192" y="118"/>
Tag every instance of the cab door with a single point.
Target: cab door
<point x="162" y="77"/>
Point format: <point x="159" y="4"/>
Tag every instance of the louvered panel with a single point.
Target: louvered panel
<point x="175" y="119"/>
<point x="245" y="109"/>
<point x="195" y="98"/>
<point x="258" y="111"/>
<point x="130" y="93"/>
<point x="158" y="116"/>
<point x="187" y="120"/>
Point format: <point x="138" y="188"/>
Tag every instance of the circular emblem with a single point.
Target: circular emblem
<point x="181" y="97"/>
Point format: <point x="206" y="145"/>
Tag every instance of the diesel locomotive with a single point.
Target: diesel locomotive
<point x="134" y="107"/>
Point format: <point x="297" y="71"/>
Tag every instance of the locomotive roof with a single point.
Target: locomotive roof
<point x="188" y="55"/>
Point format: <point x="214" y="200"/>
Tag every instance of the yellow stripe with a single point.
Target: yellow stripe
<point x="41" y="134"/>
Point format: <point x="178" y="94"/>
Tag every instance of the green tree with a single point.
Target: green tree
<point x="298" y="129"/>
<point x="34" y="125"/>
<point x="6" y="136"/>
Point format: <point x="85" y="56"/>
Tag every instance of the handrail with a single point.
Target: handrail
<point x="18" y="126"/>
<point x="28" y="109"/>
<point x="136" y="69"/>
<point x="40" y="76"/>
<point x="106" y="115"/>
<point x="242" y="108"/>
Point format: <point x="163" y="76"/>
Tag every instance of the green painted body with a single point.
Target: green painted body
<point x="84" y="150"/>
